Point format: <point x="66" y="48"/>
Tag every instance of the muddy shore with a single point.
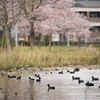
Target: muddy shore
<point x="53" y="68"/>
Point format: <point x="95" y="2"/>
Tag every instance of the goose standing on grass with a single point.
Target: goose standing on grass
<point x="50" y="87"/>
<point x="94" y="79"/>
<point x="89" y="84"/>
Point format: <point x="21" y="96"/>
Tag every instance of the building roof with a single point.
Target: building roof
<point x="87" y="3"/>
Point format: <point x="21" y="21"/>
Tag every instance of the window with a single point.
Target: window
<point x="84" y="13"/>
<point x="94" y="14"/>
<point x="95" y="29"/>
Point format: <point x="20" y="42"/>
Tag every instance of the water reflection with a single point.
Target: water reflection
<point x="31" y="90"/>
<point x="5" y="91"/>
<point x="65" y="87"/>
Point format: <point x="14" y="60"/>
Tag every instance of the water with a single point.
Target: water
<point x="65" y="87"/>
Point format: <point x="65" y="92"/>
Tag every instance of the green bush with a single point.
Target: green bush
<point x="3" y="41"/>
<point x="46" y="40"/>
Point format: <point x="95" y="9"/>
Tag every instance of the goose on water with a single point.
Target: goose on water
<point x="50" y="87"/>
<point x="89" y="84"/>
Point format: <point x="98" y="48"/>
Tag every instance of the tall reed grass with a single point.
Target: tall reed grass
<point x="43" y="57"/>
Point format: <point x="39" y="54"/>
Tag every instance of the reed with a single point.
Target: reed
<point x="43" y="57"/>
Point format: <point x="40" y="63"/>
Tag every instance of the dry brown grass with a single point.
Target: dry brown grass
<point x="44" y="57"/>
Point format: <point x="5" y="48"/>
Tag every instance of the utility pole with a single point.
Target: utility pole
<point x="86" y="40"/>
<point x="16" y="36"/>
<point x="68" y="40"/>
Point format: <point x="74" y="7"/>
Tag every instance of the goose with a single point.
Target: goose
<point x="38" y="80"/>
<point x="94" y="79"/>
<point x="72" y="72"/>
<point x="37" y="75"/>
<point x="19" y="77"/>
<point x="60" y="72"/>
<point x="50" y="87"/>
<point x="75" y="78"/>
<point x="68" y="70"/>
<point x="11" y="76"/>
<point x="80" y="81"/>
<point x="31" y="79"/>
<point x="76" y="69"/>
<point x="89" y="84"/>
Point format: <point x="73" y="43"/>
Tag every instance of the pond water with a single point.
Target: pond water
<point x="65" y="87"/>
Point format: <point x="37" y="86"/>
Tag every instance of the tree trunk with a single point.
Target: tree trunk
<point x="39" y="40"/>
<point x="68" y="40"/>
<point x="59" y="39"/>
<point x="7" y="34"/>
<point x="79" y="43"/>
<point x="50" y="42"/>
<point x="31" y="41"/>
<point x="64" y="39"/>
<point x="32" y="33"/>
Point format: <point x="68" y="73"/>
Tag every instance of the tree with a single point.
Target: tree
<point x="80" y="28"/>
<point x="76" y="25"/>
<point x="52" y="16"/>
<point x="61" y="16"/>
<point x="29" y="8"/>
<point x="9" y="15"/>
<point x="51" y="11"/>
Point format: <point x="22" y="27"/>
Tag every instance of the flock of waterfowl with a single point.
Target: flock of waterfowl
<point x="38" y="78"/>
<point x="77" y="78"/>
<point x="81" y="81"/>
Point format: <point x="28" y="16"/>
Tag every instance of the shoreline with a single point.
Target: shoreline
<point x="53" y="68"/>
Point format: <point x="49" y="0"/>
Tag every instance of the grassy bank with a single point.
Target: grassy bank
<point x="44" y="57"/>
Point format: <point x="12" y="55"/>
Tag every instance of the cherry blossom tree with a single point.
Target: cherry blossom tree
<point x="80" y="27"/>
<point x="49" y="17"/>
<point x="46" y="13"/>
<point x="9" y="15"/>
<point x="66" y="20"/>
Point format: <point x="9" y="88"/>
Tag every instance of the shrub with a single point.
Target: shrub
<point x="3" y="42"/>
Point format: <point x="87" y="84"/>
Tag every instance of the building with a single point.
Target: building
<point x="91" y="9"/>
